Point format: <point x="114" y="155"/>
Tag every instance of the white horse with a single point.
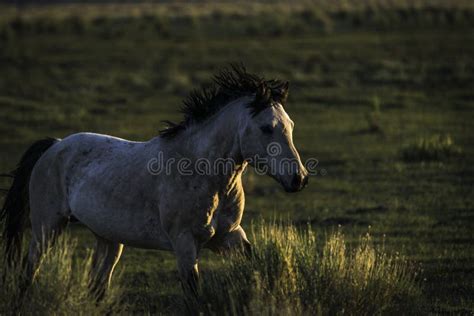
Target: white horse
<point x="118" y="189"/>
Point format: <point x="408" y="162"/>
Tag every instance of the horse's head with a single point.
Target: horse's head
<point x="267" y="140"/>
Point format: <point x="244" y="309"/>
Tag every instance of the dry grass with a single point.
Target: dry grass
<point x="60" y="286"/>
<point x="434" y="148"/>
<point x="294" y="272"/>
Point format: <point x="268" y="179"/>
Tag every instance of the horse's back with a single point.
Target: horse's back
<point x="76" y="161"/>
<point x="81" y="152"/>
<point x="89" y="142"/>
<point x="76" y="153"/>
<point x="103" y="182"/>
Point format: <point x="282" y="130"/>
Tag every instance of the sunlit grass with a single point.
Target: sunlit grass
<point x="298" y="272"/>
<point x="434" y="148"/>
<point x="60" y="286"/>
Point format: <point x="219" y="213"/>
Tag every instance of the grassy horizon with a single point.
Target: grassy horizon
<point x="239" y="19"/>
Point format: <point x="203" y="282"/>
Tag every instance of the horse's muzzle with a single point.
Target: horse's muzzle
<point x="298" y="183"/>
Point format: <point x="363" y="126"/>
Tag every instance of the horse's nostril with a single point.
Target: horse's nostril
<point x="296" y="182"/>
<point x="299" y="182"/>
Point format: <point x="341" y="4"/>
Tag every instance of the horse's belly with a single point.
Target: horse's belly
<point x="136" y="228"/>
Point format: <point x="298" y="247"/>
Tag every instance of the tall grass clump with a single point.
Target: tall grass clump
<point x="60" y="286"/>
<point x="293" y="272"/>
<point x="373" y="117"/>
<point x="434" y="148"/>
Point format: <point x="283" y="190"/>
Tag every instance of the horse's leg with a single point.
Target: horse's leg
<point x="235" y="240"/>
<point x="44" y="234"/>
<point x="30" y="265"/>
<point x="33" y="260"/>
<point x="186" y="250"/>
<point x="105" y="258"/>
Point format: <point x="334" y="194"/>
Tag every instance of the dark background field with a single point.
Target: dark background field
<point x="368" y="78"/>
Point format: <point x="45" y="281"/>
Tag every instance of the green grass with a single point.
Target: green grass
<point x="409" y="80"/>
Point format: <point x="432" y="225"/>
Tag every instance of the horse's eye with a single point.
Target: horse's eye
<point x="267" y="129"/>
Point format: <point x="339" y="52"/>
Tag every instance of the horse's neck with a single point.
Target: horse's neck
<point x="215" y="139"/>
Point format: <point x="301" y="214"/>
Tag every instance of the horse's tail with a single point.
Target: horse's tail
<point x="15" y="210"/>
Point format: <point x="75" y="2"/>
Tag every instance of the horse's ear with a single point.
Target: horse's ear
<point x="282" y="93"/>
<point x="260" y="90"/>
<point x="263" y="94"/>
<point x="268" y="94"/>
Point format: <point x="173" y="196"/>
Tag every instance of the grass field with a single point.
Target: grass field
<point x="366" y="84"/>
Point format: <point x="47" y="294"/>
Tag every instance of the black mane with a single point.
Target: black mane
<point x="228" y="85"/>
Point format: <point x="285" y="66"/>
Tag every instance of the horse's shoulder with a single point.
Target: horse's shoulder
<point x="234" y="196"/>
